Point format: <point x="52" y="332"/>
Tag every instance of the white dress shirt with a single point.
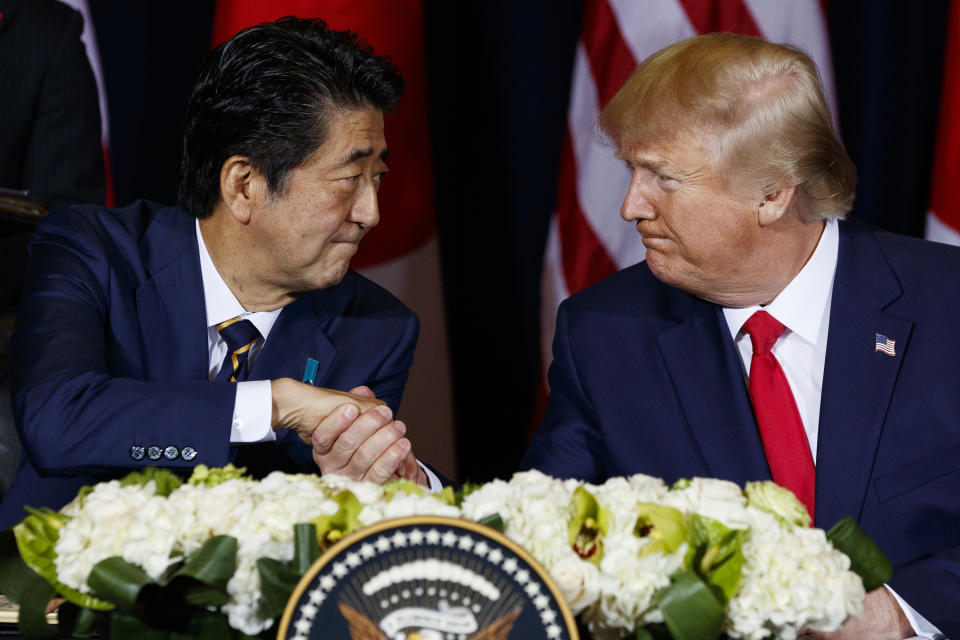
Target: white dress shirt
<point x="803" y="307"/>
<point x="253" y="405"/>
<point x="252" y="408"/>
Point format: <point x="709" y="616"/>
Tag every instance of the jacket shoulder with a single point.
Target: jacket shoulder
<point x="631" y="291"/>
<point x="359" y="296"/>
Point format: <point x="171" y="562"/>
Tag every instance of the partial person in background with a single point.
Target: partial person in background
<point x="49" y="146"/>
<point x="764" y="336"/>
<point x="175" y="336"/>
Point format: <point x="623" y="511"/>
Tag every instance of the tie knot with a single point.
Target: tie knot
<point x="764" y="330"/>
<point x="238" y="333"/>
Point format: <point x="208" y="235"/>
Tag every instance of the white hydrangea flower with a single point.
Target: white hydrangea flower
<point x="792" y="577"/>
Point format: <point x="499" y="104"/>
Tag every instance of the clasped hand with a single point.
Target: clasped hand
<point x="352" y="433"/>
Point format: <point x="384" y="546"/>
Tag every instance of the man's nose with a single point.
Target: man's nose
<point x="636" y="205"/>
<point x="366" y="209"/>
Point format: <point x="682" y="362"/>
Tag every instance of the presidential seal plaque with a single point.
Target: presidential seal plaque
<point x="426" y="578"/>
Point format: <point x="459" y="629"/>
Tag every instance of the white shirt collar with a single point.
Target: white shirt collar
<point x="220" y="302"/>
<point x="801" y="306"/>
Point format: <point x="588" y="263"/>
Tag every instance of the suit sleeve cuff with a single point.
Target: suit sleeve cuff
<point x="251" y="413"/>
<point x="435" y="485"/>
<point x="922" y="628"/>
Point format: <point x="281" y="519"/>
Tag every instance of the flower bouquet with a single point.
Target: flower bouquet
<point x="219" y="555"/>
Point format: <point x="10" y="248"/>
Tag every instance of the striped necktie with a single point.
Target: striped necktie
<point x="239" y="335"/>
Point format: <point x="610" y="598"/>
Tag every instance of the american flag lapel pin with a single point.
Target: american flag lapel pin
<point x="885" y="344"/>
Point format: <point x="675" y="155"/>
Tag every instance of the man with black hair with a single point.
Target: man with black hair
<point x="175" y="336"/>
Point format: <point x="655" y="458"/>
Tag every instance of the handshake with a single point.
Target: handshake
<point x="352" y="433"/>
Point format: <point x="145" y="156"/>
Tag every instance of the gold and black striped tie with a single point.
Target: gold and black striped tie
<point x="240" y="335"/>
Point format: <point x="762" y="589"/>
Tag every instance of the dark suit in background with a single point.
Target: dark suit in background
<point x="50" y="145"/>
<point x="646" y="378"/>
<point x="113" y="354"/>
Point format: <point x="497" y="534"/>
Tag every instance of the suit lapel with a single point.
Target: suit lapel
<point x="297" y="335"/>
<point x="712" y="391"/>
<point x="858" y="380"/>
<point x="170" y="304"/>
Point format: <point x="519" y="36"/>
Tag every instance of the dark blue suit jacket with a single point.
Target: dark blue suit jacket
<point x="110" y="352"/>
<point x="646" y="379"/>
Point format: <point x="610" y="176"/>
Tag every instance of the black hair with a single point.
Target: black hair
<point x="268" y="94"/>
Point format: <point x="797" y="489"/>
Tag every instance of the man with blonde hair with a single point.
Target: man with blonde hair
<point x="764" y="336"/>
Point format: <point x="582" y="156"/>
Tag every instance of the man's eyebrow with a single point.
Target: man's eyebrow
<point x="357" y="154"/>
<point x="653" y="163"/>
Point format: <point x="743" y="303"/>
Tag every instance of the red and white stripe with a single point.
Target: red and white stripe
<point x="587" y="240"/>
<point x="943" y="219"/>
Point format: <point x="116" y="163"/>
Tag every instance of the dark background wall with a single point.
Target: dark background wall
<point x="499" y="74"/>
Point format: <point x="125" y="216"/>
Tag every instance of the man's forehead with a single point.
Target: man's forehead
<point x="682" y="149"/>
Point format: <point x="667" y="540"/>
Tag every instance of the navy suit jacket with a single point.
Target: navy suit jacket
<point x="110" y="352"/>
<point x="646" y="379"/>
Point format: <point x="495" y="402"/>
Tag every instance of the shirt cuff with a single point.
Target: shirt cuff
<point x="922" y="628"/>
<point x="435" y="485"/>
<point x="252" y="410"/>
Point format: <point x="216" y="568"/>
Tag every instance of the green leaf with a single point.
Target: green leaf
<point x="305" y="550"/>
<point x="32" y="621"/>
<point x="165" y="480"/>
<point x="211" y="477"/>
<point x="587" y="526"/>
<point x="653" y="631"/>
<point x="494" y="521"/>
<point x="118" y="581"/>
<point x="124" y="626"/>
<point x="448" y="496"/>
<point x="332" y="528"/>
<point x="37" y="535"/>
<point x="866" y="558"/>
<point x="690" y="609"/>
<point x="715" y="553"/>
<point x="204" y="626"/>
<point x="15" y="575"/>
<point x="392" y="487"/>
<point x="213" y="563"/>
<point x="78" y="622"/>
<point x="664" y="526"/>
<point x="277" y="582"/>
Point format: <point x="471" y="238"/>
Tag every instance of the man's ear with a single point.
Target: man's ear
<point x="775" y="205"/>
<point x="240" y="186"/>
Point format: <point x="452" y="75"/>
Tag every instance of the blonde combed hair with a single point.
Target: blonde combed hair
<point x="761" y="104"/>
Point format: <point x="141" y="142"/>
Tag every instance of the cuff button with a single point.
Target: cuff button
<point x="136" y="452"/>
<point x="171" y="453"/>
<point x="154" y="452"/>
<point x="188" y="453"/>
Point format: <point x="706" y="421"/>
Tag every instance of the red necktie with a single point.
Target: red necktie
<point x="784" y="439"/>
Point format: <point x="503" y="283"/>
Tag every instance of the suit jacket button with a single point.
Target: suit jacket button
<point x="136" y="452"/>
<point x="171" y="452"/>
<point x="154" y="452"/>
<point x="188" y="453"/>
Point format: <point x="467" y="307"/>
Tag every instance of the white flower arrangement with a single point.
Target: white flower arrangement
<point x="611" y="549"/>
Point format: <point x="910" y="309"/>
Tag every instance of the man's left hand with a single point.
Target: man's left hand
<point x="882" y="619"/>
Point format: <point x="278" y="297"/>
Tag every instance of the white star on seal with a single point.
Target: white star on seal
<point x="367" y="550"/>
<point x="399" y="539"/>
<point x="382" y="544"/>
<point x="433" y="536"/>
<point x="416" y="537"/>
<point x="466" y="543"/>
<point x="340" y="569"/>
<point x="353" y="559"/>
<point x="449" y="539"/>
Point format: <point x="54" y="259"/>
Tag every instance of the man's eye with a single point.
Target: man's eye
<point x="352" y="178"/>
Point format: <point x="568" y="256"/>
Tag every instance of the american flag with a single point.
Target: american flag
<point x="886" y="345"/>
<point x="587" y="239"/>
